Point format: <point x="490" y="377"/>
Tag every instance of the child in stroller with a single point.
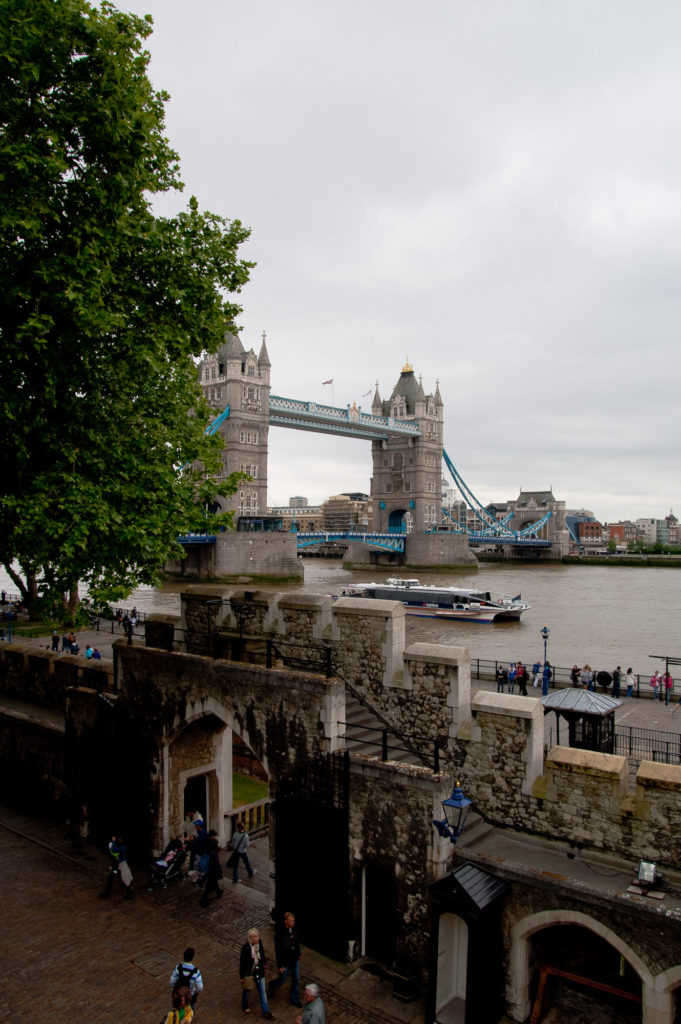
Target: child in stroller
<point x="169" y="864"/>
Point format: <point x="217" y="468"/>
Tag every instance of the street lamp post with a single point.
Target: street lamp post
<point x="545" y="632"/>
<point x="456" y="808"/>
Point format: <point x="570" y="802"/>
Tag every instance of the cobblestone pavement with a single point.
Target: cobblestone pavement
<point x="70" y="956"/>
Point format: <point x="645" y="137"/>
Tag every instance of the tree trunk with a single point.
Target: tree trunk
<point x="28" y="588"/>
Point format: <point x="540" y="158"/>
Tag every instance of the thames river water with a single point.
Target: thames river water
<point x="606" y="616"/>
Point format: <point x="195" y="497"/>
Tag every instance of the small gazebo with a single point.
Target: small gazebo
<point x="590" y="717"/>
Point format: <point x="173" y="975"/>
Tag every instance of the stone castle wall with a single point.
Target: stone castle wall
<point x="493" y="742"/>
<point x="41" y="677"/>
<point x="236" y="556"/>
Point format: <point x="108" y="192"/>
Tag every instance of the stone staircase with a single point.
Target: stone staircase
<point x="364" y="734"/>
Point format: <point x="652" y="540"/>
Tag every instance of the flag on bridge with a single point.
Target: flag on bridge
<point x="329" y="381"/>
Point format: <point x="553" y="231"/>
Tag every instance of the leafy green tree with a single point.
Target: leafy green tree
<point x="103" y="308"/>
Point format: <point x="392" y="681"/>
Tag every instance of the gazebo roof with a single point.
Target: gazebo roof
<point x="584" y="702"/>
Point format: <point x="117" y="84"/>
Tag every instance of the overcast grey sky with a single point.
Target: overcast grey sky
<point x="491" y="189"/>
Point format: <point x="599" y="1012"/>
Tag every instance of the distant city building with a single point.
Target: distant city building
<point x="349" y="511"/>
<point x="623" y="533"/>
<point x="298" y="502"/>
<point x="306" y="518"/>
<point x="652" y="530"/>
<point x="591" y="539"/>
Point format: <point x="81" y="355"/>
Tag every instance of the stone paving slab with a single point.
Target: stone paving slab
<point x="74" y="957"/>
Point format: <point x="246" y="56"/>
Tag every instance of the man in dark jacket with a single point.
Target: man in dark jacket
<point x="287" y="948"/>
<point x="213" y="872"/>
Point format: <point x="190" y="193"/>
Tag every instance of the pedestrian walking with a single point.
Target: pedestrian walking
<point x="287" y="948"/>
<point x="55" y="641"/>
<point x="630" y="680"/>
<point x="119" y="869"/>
<point x="181" y="1012"/>
<point x="537" y="673"/>
<point x="314" y="1012"/>
<point x="252" y="973"/>
<point x="575" y="675"/>
<point x="65" y="643"/>
<point x="240" y="844"/>
<point x="187" y="975"/>
<point x="511" y="678"/>
<point x="521" y="679"/>
<point x="501" y="678"/>
<point x="587" y="678"/>
<point x="616" y="678"/>
<point x="213" y="870"/>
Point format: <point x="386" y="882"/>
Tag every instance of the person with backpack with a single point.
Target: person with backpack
<point x="187" y="975"/>
<point x="181" y="1012"/>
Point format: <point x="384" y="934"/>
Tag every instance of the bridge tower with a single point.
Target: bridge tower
<point x="406" y="487"/>
<point x="232" y="376"/>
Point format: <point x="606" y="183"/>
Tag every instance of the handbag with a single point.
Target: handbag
<point x="231" y="860"/>
<point x="248" y="983"/>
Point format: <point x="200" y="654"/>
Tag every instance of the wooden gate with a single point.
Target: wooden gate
<point x="311" y="852"/>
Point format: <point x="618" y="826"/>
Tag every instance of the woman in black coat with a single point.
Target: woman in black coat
<point x="252" y="972"/>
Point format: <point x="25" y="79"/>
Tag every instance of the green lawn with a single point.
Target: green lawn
<point x="247" y="790"/>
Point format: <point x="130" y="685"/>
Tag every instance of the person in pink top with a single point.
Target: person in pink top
<point x="655" y="683"/>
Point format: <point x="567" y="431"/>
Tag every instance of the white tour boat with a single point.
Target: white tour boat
<point x="441" y="602"/>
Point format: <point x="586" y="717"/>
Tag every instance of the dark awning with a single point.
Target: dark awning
<point x="585" y="702"/>
<point x="470" y="888"/>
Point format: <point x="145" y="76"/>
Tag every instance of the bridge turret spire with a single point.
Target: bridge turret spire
<point x="377" y="404"/>
<point x="263" y="358"/>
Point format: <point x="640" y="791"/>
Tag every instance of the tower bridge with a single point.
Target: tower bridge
<point x="406" y="435"/>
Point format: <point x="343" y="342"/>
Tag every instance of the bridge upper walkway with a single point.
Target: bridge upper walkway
<point x="328" y="419"/>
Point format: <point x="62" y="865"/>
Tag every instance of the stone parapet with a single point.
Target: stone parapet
<point x="44" y="677"/>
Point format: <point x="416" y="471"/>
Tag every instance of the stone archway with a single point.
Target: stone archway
<point x="657" y="1006"/>
<point x="201" y="746"/>
<point x="396" y="520"/>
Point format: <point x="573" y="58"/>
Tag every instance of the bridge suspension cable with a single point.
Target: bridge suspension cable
<point x="495" y="528"/>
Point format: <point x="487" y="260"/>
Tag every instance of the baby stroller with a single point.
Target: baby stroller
<point x="168" y="865"/>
